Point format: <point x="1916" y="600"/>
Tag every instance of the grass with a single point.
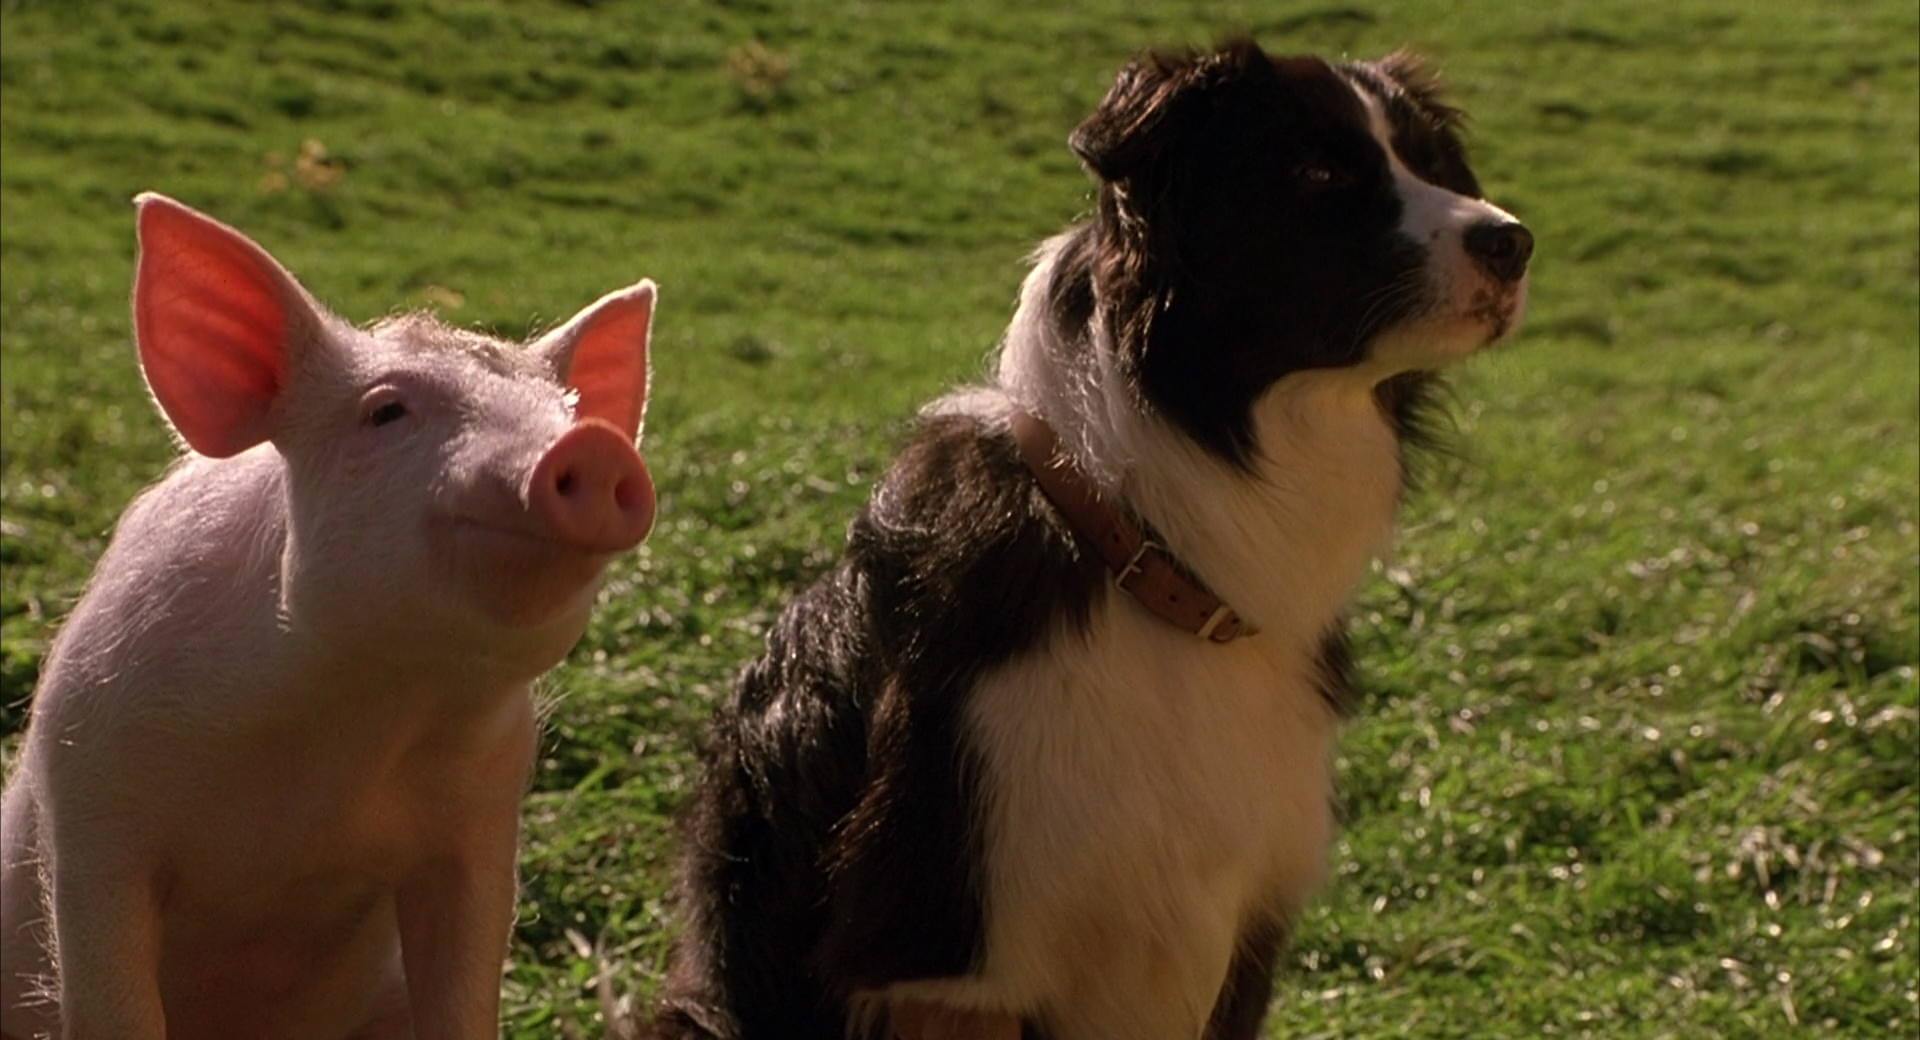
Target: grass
<point x="1642" y="752"/>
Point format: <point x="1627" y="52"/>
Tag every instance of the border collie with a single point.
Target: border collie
<point x="977" y="776"/>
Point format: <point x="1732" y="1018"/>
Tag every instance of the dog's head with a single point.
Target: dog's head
<point x="1260" y="216"/>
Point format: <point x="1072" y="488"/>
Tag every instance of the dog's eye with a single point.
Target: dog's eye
<point x="1319" y="176"/>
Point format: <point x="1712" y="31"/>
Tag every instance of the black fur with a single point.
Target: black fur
<point x="1412" y="403"/>
<point x="1426" y="130"/>
<point x="1339" y="679"/>
<point x="831" y="846"/>
<point x="1249" y="987"/>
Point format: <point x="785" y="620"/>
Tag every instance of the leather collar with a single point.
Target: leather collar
<point x="1142" y="567"/>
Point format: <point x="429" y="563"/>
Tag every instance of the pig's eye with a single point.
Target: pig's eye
<point x="383" y="407"/>
<point x="392" y="411"/>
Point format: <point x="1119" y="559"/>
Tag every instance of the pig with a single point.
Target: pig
<point x="270" y="784"/>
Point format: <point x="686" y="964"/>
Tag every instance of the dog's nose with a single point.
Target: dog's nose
<point x="1501" y="248"/>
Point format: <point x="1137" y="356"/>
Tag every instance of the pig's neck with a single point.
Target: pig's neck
<point x="386" y="707"/>
<point x="345" y="649"/>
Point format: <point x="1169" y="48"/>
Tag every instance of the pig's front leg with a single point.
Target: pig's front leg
<point x="456" y="911"/>
<point x="107" y="923"/>
<point x="455" y="916"/>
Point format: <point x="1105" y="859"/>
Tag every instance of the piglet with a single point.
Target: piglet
<point x="271" y="782"/>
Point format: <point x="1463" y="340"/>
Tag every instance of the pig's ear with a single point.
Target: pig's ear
<point x="601" y="354"/>
<point x="214" y="316"/>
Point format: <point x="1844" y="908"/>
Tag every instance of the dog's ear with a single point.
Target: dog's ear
<point x="1126" y="129"/>
<point x="1422" y="82"/>
<point x="1154" y="94"/>
<point x="1435" y="147"/>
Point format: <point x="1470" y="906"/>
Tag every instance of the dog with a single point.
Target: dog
<point x="1049" y="752"/>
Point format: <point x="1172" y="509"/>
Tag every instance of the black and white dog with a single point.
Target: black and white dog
<point x="973" y="771"/>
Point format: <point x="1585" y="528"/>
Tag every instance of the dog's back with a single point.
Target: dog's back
<point x="833" y="846"/>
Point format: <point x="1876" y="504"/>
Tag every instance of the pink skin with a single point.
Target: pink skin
<point x="591" y="488"/>
<point x="271" y="783"/>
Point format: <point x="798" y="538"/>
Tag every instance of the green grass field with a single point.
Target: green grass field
<point x="1641" y="753"/>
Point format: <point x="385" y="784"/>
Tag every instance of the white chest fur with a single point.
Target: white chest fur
<point x="1145" y="791"/>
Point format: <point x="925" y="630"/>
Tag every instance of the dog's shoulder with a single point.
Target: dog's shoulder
<point x="958" y="539"/>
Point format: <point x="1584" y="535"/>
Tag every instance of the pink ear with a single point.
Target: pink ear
<point x="602" y="354"/>
<point x="212" y="313"/>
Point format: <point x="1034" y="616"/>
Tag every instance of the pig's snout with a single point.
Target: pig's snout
<point x="591" y="489"/>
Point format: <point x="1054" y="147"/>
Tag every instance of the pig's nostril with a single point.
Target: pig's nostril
<point x="564" y="483"/>
<point x="626" y="495"/>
